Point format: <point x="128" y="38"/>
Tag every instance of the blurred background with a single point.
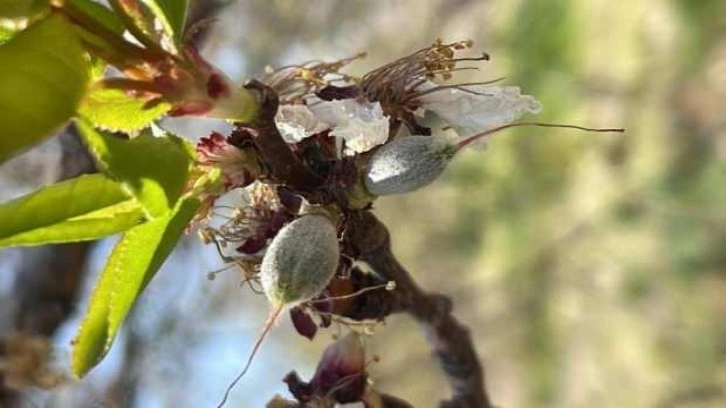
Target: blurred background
<point x="591" y="268"/>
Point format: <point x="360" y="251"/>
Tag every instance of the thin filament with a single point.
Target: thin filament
<point x="265" y="329"/>
<point x="388" y="286"/>
<point x="477" y="136"/>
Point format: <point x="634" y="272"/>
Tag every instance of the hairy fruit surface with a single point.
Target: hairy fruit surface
<point x="300" y="261"/>
<point x="407" y="164"/>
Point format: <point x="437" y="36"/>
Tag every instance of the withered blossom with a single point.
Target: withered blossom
<point x="251" y="225"/>
<point x="340" y="375"/>
<point x="238" y="166"/>
<point x="303" y="322"/>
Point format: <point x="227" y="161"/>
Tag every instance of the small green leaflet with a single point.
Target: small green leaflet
<point x="101" y="31"/>
<point x="6" y="34"/>
<point x="101" y="15"/>
<point x="115" y="110"/>
<point x="21" y="8"/>
<point x="85" y="208"/>
<point x="43" y="76"/>
<point x="134" y="261"/>
<point x="173" y="13"/>
<point x="156" y="24"/>
<point x="152" y="169"/>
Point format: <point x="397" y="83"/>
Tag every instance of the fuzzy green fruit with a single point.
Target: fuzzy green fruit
<point x="300" y="261"/>
<point x="407" y="164"/>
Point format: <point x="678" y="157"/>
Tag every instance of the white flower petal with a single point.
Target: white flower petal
<point x="296" y="122"/>
<point x="361" y="125"/>
<point x="340" y="111"/>
<point x="360" y="135"/>
<point x="477" y="108"/>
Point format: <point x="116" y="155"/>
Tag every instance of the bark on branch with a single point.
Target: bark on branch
<point x="450" y="341"/>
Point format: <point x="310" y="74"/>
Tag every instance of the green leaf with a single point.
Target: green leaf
<point x="43" y="75"/>
<point x="85" y="208"/>
<point x="6" y="34"/>
<point x="142" y="21"/>
<point x="12" y="9"/>
<point x="98" y="69"/>
<point x="152" y="169"/>
<point x="173" y="13"/>
<point x="133" y="262"/>
<point x="100" y="15"/>
<point x="115" y="110"/>
<point x="101" y="31"/>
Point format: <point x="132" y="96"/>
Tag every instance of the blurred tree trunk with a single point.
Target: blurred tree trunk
<point x="48" y="277"/>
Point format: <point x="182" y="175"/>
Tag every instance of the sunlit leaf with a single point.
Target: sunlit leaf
<point x="115" y="110"/>
<point x="134" y="261"/>
<point x="102" y="33"/>
<point x="145" y="23"/>
<point x="6" y="34"/>
<point x="174" y="13"/>
<point x="85" y="208"/>
<point x="21" y="8"/>
<point x="43" y="75"/>
<point x="152" y="169"/>
<point x="101" y="15"/>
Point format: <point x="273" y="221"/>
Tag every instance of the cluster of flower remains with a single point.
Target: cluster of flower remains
<point x="325" y="145"/>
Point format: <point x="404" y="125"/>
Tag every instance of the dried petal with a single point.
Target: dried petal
<point x="288" y="199"/>
<point x="276" y="222"/>
<point x="342" y="370"/>
<point x="340" y="374"/>
<point x="332" y="92"/>
<point x="252" y="245"/>
<point x="235" y="164"/>
<point x="303" y="322"/>
<point x="324" y="305"/>
<point x="301" y="390"/>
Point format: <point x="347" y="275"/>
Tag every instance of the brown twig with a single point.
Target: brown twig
<point x="284" y="167"/>
<point x="450" y="341"/>
<point x="373" y="304"/>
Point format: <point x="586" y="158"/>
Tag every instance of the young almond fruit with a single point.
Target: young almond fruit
<point x="300" y="260"/>
<point x="298" y="264"/>
<point x="407" y="164"/>
<point x="411" y="162"/>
